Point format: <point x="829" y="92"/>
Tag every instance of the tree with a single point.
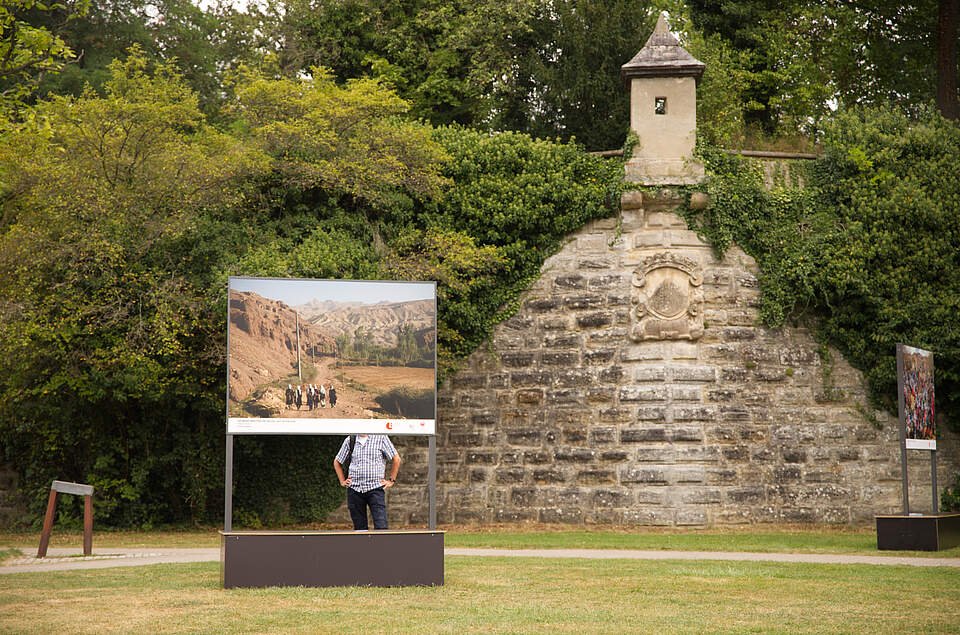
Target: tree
<point x="804" y="56"/>
<point x="947" y="68"/>
<point x="117" y="212"/>
<point x="28" y="51"/>
<point x="566" y="81"/>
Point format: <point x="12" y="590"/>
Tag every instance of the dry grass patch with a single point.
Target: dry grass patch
<point x="494" y="595"/>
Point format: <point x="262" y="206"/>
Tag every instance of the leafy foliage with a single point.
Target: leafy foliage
<point x="29" y="50"/>
<point x="124" y="211"/>
<point x="866" y="250"/>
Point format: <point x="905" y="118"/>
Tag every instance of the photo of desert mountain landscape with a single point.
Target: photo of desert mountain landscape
<point x="315" y="349"/>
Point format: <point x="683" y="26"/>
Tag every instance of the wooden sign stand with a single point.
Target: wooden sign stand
<point x="68" y="488"/>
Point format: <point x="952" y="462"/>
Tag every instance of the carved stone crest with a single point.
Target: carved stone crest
<point x="669" y="301"/>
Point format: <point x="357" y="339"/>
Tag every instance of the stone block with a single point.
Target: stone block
<point x="763" y="455"/>
<point x="543" y="305"/>
<point x="700" y="496"/>
<point x="607" y="336"/>
<point x="572" y="515"/>
<point x="794" y="455"/>
<point x="631" y="394"/>
<point x="596" y="477"/>
<point x="603" y="435"/>
<point x="596" y="262"/>
<point x="605" y="282"/>
<point x="467" y="381"/>
<point x="595" y="320"/>
<point x="683" y="238"/>
<point x="579" y="302"/>
<point x="574" y="376"/>
<point x="699" y="374"/>
<point x="722" y="395"/>
<point x="548" y="476"/>
<point x="650" y="373"/>
<point x="555" y="323"/>
<point x="698" y="454"/>
<point x="514" y="515"/>
<point x="847" y="453"/>
<point x="649" y="239"/>
<point x="750" y="495"/>
<point x="614" y="456"/>
<point x="517" y="360"/>
<point x="509" y="475"/>
<point x="787" y="474"/>
<point x="564" y="397"/>
<point x="721" y="476"/>
<point x="649" y="517"/>
<point x="643" y="475"/>
<point x="694" y="413"/>
<point x="523" y="436"/>
<point x="616" y="415"/>
<point x="686" y="393"/>
<point x="510" y="458"/>
<point x="612" y="498"/>
<point x="721" y="434"/>
<point x="462" y="439"/>
<point x="479" y="475"/>
<point x="683" y="350"/>
<point x="574" y="455"/>
<point x="643" y="435"/>
<point x="642" y="352"/>
<point x="537" y="457"/>
<point x="822" y="476"/>
<point x="478" y="457"/>
<point x="688" y="474"/>
<point x="685" y="434"/>
<point x="656" y="454"/>
<point x="733" y="413"/>
<point x="530" y="396"/>
<point x="599" y="357"/>
<point x="734" y="375"/>
<point x="570" y="281"/>
<point x="737" y="334"/>
<point x="592" y="242"/>
<point x="564" y="340"/>
<point x="652" y="413"/>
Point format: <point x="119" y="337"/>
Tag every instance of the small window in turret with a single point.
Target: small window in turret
<point x="660" y="105"/>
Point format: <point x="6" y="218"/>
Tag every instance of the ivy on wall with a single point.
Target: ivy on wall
<point x="867" y="253"/>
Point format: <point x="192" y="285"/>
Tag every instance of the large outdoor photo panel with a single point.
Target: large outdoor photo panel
<point x="915" y="382"/>
<point x="331" y="357"/>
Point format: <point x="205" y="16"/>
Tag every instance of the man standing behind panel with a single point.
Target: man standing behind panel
<point x="365" y="482"/>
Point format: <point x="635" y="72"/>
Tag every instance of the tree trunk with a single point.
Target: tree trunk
<point x="947" y="100"/>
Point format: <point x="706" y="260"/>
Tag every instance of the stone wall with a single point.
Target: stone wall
<point x="634" y="386"/>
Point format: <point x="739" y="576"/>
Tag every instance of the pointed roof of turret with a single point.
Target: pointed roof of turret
<point x="662" y="56"/>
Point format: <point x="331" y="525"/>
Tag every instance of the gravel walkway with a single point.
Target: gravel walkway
<point x="64" y="558"/>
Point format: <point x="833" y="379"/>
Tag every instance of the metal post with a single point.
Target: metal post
<point x="903" y="431"/>
<point x="933" y="480"/>
<point x="228" y="487"/>
<point x="432" y="479"/>
<point x="87" y="525"/>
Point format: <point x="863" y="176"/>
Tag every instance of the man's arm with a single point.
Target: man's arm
<point x="339" y="470"/>
<point x="394" y="470"/>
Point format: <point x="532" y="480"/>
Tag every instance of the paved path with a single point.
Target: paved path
<point x="64" y="559"/>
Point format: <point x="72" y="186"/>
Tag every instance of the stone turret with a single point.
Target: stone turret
<point x="663" y="81"/>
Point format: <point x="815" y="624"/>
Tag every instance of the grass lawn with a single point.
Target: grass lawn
<point x="500" y="595"/>
<point x="774" y="539"/>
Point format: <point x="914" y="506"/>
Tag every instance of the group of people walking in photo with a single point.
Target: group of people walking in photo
<point x="315" y="394"/>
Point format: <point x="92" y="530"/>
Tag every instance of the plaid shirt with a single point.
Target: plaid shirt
<point x="368" y="462"/>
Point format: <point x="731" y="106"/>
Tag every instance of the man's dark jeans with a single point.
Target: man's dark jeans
<point x="358" y="502"/>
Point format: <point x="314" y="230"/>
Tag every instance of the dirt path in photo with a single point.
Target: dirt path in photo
<point x="351" y="403"/>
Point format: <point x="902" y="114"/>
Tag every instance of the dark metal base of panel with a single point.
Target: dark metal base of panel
<point x="918" y="533"/>
<point x="335" y="558"/>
